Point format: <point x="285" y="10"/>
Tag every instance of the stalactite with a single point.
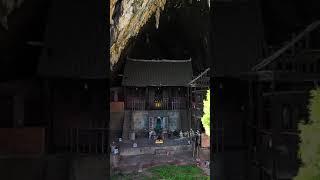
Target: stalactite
<point x="157" y="18"/>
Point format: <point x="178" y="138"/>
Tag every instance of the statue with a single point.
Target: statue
<point x="116" y="150"/>
<point x="113" y="146"/>
<point x="191" y="133"/>
<point x="198" y="133"/>
<point x="151" y="133"/>
<point x="135" y="145"/>
<point x="185" y="134"/>
<point x="158" y="129"/>
<point x="181" y="134"/>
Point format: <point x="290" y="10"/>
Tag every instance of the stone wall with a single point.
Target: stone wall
<point x="138" y="120"/>
<point x="152" y="150"/>
<point x="116" y="122"/>
<point x="176" y="118"/>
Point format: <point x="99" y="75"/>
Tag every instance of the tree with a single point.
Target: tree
<point x="206" y="116"/>
<point x="309" y="149"/>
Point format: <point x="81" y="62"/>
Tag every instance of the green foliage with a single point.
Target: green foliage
<point x="206" y="116"/>
<point x="172" y="172"/>
<point x="310" y="144"/>
<point x="167" y="172"/>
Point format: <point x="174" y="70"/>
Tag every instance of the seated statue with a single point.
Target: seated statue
<point x="158" y="128"/>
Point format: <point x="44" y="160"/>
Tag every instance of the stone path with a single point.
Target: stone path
<point x="141" y="162"/>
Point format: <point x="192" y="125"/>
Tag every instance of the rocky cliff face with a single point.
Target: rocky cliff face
<point x="6" y="8"/>
<point x="127" y="17"/>
<point x="175" y="29"/>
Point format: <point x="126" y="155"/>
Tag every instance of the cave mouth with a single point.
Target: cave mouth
<point x="183" y="33"/>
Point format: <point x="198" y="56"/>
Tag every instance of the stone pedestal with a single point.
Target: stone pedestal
<point x="114" y="160"/>
<point x="132" y="136"/>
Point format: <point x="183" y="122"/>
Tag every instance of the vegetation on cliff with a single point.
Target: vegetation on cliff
<point x="310" y="144"/>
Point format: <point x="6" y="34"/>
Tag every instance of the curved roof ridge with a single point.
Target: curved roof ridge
<point x="160" y="60"/>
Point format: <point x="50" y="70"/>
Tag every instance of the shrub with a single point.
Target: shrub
<point x="309" y="149"/>
<point x="206" y="116"/>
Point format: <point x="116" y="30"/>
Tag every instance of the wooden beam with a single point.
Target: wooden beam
<point x="274" y="56"/>
<point x="276" y="93"/>
<point x="199" y="76"/>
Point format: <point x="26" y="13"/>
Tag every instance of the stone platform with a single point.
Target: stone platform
<point x="147" y="146"/>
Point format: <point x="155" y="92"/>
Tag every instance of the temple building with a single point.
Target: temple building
<point x="157" y="95"/>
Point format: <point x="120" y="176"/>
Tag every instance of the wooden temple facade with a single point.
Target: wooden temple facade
<point x="159" y="92"/>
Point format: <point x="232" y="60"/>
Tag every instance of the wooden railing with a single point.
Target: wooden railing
<point x="82" y="140"/>
<point x="164" y="104"/>
<point x="135" y="103"/>
<point x="202" y="80"/>
<point x="178" y="103"/>
<point x="159" y="104"/>
<point x="298" y="43"/>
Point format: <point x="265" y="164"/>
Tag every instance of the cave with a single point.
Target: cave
<point x="183" y="32"/>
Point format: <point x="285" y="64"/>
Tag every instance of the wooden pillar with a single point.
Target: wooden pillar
<point x="116" y="95"/>
<point x="249" y="129"/>
<point x="275" y="130"/>
<point x="147" y="98"/>
<point x="188" y="108"/>
<point x="125" y="97"/>
<point x="18" y="110"/>
<point x="49" y="114"/>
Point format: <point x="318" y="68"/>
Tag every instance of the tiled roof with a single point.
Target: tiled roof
<point x="143" y="73"/>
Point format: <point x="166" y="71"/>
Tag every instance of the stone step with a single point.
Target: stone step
<point x="161" y="152"/>
<point x="152" y="149"/>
